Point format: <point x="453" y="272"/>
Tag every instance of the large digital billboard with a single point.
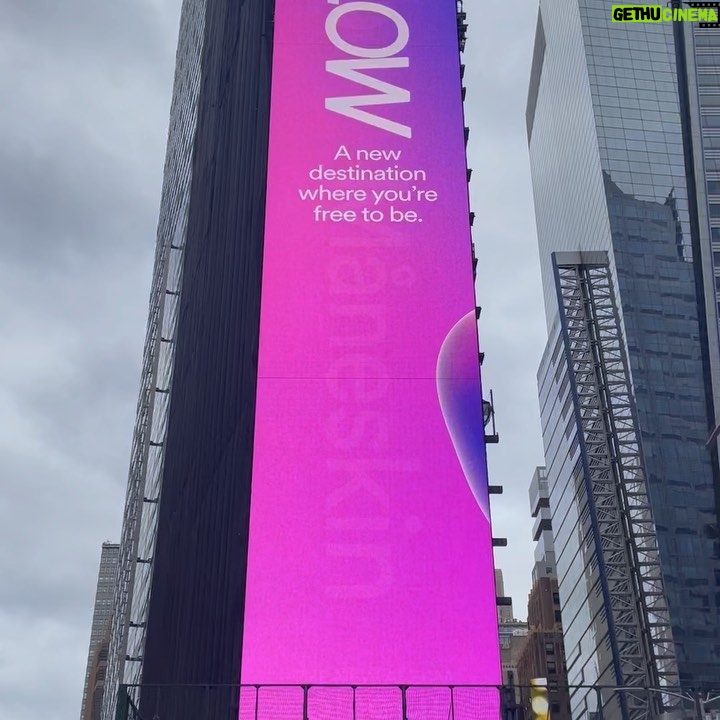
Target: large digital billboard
<point x="370" y="555"/>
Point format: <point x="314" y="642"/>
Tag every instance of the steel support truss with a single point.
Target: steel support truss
<point x="625" y="537"/>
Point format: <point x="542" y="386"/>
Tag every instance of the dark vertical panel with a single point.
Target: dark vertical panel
<point x="196" y="611"/>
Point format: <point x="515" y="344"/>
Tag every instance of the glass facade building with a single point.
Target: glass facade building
<point x="210" y="226"/>
<point x="542" y="533"/>
<point x="619" y="184"/>
<point x="102" y="617"/>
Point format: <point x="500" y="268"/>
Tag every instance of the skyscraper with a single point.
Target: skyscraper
<point x="100" y="632"/>
<point x="505" y="612"/>
<point x="544" y="653"/>
<point x="513" y="636"/>
<point x="542" y="533"/>
<point x="311" y="367"/>
<point x="628" y="380"/>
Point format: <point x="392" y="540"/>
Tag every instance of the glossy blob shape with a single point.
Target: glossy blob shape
<point x="460" y="395"/>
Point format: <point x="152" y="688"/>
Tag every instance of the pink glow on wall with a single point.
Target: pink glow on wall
<point x="370" y="555"/>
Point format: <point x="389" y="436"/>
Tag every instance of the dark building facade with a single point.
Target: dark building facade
<point x="194" y="434"/>
<point x="543" y="655"/>
<point x="199" y="570"/>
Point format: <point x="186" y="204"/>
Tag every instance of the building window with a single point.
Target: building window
<point x="552" y="667"/>
<point x="710" y="121"/>
<point x="558" y="616"/>
<point x="556" y="598"/>
<point x="549" y="648"/>
<point x="708" y="60"/>
<point x="708" y="79"/>
<point x="706" y="40"/>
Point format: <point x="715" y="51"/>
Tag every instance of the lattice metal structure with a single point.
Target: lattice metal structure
<point x="615" y="480"/>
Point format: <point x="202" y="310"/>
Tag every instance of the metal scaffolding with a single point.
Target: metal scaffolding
<point x="360" y="702"/>
<point x="615" y="479"/>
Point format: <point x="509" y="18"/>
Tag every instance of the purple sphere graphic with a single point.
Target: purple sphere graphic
<point x="460" y="395"/>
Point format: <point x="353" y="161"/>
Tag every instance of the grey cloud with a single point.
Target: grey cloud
<point x="131" y="33"/>
<point x="48" y="579"/>
<point x="86" y="89"/>
<point x="512" y="324"/>
<point x="100" y="383"/>
<point x="38" y="665"/>
<point x="64" y="200"/>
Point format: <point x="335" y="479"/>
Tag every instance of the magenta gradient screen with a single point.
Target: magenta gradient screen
<point x="370" y="555"/>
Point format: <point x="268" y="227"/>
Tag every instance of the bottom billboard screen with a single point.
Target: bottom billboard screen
<point x="369" y="703"/>
<point x="370" y="550"/>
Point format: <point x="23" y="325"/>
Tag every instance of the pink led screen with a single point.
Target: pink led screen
<point x="370" y="554"/>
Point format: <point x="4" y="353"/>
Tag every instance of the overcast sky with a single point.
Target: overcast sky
<point x="85" y="92"/>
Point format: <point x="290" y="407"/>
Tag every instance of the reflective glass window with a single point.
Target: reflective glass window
<point x="710" y="100"/>
<point x="707" y="40"/>
<point x="708" y="79"/>
<point x="708" y="60"/>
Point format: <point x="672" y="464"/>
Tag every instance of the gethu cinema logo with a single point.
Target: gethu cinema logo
<point x="658" y="13"/>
